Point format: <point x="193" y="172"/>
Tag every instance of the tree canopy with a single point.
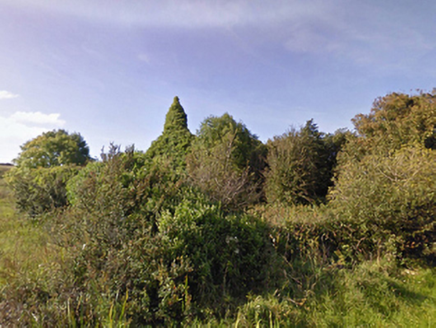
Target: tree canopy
<point x="226" y="161"/>
<point x="300" y="165"/>
<point x="399" y="119"/>
<point x="54" y="148"/>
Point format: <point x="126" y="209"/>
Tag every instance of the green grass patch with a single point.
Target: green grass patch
<point x="374" y="294"/>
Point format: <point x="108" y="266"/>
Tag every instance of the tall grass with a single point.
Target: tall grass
<point x="24" y="252"/>
<point x="36" y="282"/>
<point x="374" y="294"/>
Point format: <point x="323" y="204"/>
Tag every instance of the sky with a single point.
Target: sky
<point x="109" y="69"/>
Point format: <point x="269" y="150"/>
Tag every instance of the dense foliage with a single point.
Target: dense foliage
<point x="221" y="229"/>
<point x="40" y="190"/>
<point x="54" y="148"/>
<point x="226" y="162"/>
<point x="175" y="140"/>
<point x="300" y="165"/>
<point x="398" y="119"/>
<point x="160" y="241"/>
<point x="43" y="168"/>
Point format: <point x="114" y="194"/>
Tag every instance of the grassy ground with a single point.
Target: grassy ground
<point x="373" y="294"/>
<point x="22" y="245"/>
<point x="25" y="256"/>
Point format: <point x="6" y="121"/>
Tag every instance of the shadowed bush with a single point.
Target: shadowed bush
<point x="140" y="231"/>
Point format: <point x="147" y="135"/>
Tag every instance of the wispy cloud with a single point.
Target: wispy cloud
<point x="144" y="58"/>
<point x="181" y="13"/>
<point x="7" y="95"/>
<point x="364" y="32"/>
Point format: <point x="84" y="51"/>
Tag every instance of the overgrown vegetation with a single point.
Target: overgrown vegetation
<point x="217" y="229"/>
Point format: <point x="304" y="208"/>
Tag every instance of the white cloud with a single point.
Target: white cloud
<point x="21" y="127"/>
<point x="38" y="118"/>
<point x="7" y="95"/>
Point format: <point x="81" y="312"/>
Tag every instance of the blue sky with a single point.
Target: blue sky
<point x="109" y="69"/>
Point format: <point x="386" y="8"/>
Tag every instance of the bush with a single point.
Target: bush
<point x="41" y="189"/>
<point x="141" y="232"/>
<point x="226" y="161"/>
<point x="391" y="197"/>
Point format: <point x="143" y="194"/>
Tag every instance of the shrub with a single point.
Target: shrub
<point x="391" y="197"/>
<point x="41" y="189"/>
<point x="226" y="161"/>
<point x="140" y="231"/>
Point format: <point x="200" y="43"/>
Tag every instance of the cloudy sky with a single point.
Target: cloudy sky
<point x="109" y="69"/>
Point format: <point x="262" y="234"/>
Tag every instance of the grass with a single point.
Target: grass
<point x="22" y="244"/>
<point x="374" y="294"/>
<point x="26" y="255"/>
<point x="378" y="295"/>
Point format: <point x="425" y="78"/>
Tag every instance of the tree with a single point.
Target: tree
<point x="54" y="148"/>
<point x="226" y="162"/>
<point x="43" y="169"/>
<point x="175" y="140"/>
<point x="399" y="119"/>
<point x="300" y="165"/>
<point x="395" y="121"/>
<point x="385" y="176"/>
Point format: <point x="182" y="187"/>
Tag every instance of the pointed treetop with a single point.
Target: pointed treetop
<point x="176" y="118"/>
<point x="174" y="143"/>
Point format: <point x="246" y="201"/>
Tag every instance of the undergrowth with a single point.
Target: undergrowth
<point x="274" y="267"/>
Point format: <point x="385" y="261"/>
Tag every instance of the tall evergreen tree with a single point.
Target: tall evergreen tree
<point x="300" y="166"/>
<point x="176" y="119"/>
<point x="174" y="143"/>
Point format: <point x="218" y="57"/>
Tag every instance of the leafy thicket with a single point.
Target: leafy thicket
<point x="386" y="176"/>
<point x="167" y="237"/>
<point x="391" y="199"/>
<point x="43" y="168"/>
<point x="144" y="234"/>
<point x="40" y="190"/>
<point x="226" y="162"/>
<point x="300" y="165"/>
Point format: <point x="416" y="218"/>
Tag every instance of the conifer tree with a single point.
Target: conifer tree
<point x="174" y="143"/>
<point x="300" y="165"/>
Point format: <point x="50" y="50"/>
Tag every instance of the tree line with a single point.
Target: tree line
<point x="224" y="160"/>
